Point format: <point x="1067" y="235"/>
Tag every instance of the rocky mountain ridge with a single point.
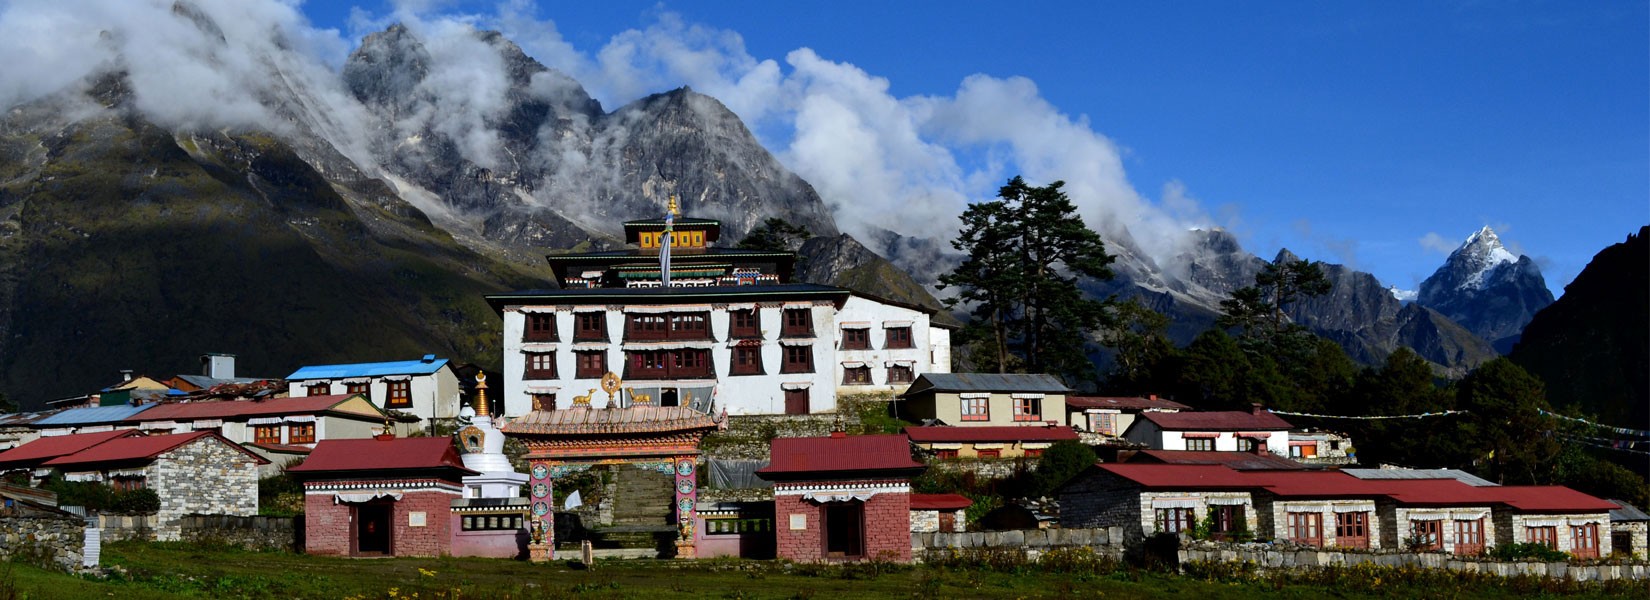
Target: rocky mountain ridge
<point x="1487" y="289"/>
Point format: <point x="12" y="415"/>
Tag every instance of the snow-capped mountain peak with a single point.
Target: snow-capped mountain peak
<point x="1480" y="254"/>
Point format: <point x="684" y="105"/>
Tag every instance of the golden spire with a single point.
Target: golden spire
<point x="673" y="208"/>
<point x="481" y="394"/>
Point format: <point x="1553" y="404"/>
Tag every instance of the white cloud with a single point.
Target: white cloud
<point x="1433" y="242"/>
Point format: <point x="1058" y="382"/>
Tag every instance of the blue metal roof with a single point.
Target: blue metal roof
<point x="429" y="365"/>
<point x="92" y="415"/>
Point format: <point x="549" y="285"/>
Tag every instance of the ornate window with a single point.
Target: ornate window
<point x="358" y="387"/>
<point x="945" y="454"/>
<point x="856" y="339"/>
<point x="398" y="394"/>
<point x="590" y="326"/>
<point x="860" y="375"/>
<point x="1352" y="530"/>
<point x="300" y="433"/>
<point x="897" y="338"/>
<point x="318" y="389"/>
<point x="747" y="360"/>
<point x="690" y="326"/>
<point x="799" y="322"/>
<point x="1469" y="536"/>
<point x="591" y="363"/>
<point x="541" y="327"/>
<point x="900" y="374"/>
<point x="976" y="409"/>
<point x="541" y="365"/>
<point x="1429" y="535"/>
<point x="266" y="434"/>
<point x="798" y="359"/>
<point x="744" y="324"/>
<point x="128" y="483"/>
<point x="991" y="453"/>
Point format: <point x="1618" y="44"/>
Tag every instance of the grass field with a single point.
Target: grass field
<point x="189" y="571"/>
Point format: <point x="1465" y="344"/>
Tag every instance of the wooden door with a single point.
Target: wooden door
<point x="373" y="528"/>
<point x="796" y="402"/>
<point x="1352" y="530"/>
<point x="844" y="529"/>
<point x="948" y="521"/>
<point x="1469" y="537"/>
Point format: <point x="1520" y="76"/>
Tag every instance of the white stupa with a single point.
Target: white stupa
<point x="484" y="452"/>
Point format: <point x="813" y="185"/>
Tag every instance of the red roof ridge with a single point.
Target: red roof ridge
<point x="142" y="448"/>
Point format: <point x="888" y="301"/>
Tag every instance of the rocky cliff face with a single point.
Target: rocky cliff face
<point x="1487" y="289"/>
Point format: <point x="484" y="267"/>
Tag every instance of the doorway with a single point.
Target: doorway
<point x="845" y="529"/>
<point x="372" y="529"/>
<point x="669" y="397"/>
<point x="796" y="402"/>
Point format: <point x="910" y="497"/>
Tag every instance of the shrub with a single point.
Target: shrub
<point x="1527" y="551"/>
<point x="1060" y="463"/>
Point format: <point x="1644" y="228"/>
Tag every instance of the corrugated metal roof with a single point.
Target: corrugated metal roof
<point x="824" y="456"/>
<point x="1232" y="420"/>
<point x="1242" y="461"/>
<point x="92" y="415"/>
<point x="1123" y="403"/>
<point x="378" y="369"/>
<point x="47" y="448"/>
<point x="987" y="382"/>
<point x="1627" y="512"/>
<point x="382" y="455"/>
<point x="226" y="409"/>
<point x="1007" y="433"/>
<point x="129" y="449"/>
<point x="1462" y="476"/>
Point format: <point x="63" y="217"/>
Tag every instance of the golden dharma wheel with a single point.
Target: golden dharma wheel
<point x="611" y="383"/>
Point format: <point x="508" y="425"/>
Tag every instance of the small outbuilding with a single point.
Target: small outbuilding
<point x="384" y="496"/>
<point x="198" y="473"/>
<point x="842" y="497"/>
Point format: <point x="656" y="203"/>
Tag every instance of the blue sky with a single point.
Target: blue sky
<point x="1353" y="132"/>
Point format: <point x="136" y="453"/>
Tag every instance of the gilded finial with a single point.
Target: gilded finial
<point x="481" y="395"/>
<point x="674" y="210"/>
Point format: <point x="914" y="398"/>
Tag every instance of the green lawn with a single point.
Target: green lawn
<point x="186" y="571"/>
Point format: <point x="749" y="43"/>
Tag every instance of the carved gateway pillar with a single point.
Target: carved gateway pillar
<point x="541" y="513"/>
<point x="687" y="504"/>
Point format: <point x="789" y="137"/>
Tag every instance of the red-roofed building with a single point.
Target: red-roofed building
<point x="1223" y="431"/>
<point x="32" y="454"/>
<point x="989" y="442"/>
<point x="842" y="497"/>
<point x="1242" y="461"/>
<point x="279" y="429"/>
<point x="381" y="497"/>
<point x="939" y="512"/>
<point x="1112" y="415"/>
<point x="199" y="473"/>
<point x="1331" y="508"/>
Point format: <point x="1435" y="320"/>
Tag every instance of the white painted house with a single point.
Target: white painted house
<point x="426" y="388"/>
<point x="1219" y="431"/>
<point x="723" y="328"/>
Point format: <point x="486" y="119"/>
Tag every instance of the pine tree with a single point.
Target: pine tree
<point x="1026" y="251"/>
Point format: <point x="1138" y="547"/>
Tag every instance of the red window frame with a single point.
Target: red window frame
<point x="300" y="433"/>
<point x="590" y="326"/>
<point x="798" y="359"/>
<point x="540" y="365"/>
<point x="798" y="322"/>
<point x="690" y="326"/>
<point x="1546" y="535"/>
<point x="1469" y="536"/>
<point x="1173" y="520"/>
<point x="1028" y="409"/>
<point x="988" y="453"/>
<point x="591" y="363"/>
<point x="744" y="324"/>
<point x="897" y="338"/>
<point x="359" y="387"/>
<point x="1584" y="540"/>
<point x="541" y="327"/>
<point x="856" y="338"/>
<point x="1352" y="530"/>
<point x="1306" y="528"/>
<point x="1200" y="444"/>
<point x="1033" y="452"/>
<point x="318" y="389"/>
<point x="398" y="394"/>
<point x="901" y="374"/>
<point x="266" y="434"/>
<point x="860" y="375"/>
<point x="945" y="454"/>
<point x="975" y="409"/>
<point x="746" y="360"/>
<point x="1430" y="533"/>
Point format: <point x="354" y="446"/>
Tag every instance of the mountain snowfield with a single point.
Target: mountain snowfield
<point x="1487" y="289"/>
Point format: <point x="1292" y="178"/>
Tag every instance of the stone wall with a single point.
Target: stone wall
<point x="252" y="533"/>
<point x="1110" y="540"/>
<point x="118" y="528"/>
<point x="1099" y="499"/>
<point x="984" y="468"/>
<point x="45" y="540"/>
<point x="205" y="477"/>
<point x="1273" y="558"/>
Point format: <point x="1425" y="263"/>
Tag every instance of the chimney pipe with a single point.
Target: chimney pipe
<point x="1257" y="409"/>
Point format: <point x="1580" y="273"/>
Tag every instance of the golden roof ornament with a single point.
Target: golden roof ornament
<point x="481" y="395"/>
<point x="675" y="210"/>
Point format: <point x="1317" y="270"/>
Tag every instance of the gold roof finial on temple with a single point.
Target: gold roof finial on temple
<point x="673" y="208"/>
<point x="480" y="404"/>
